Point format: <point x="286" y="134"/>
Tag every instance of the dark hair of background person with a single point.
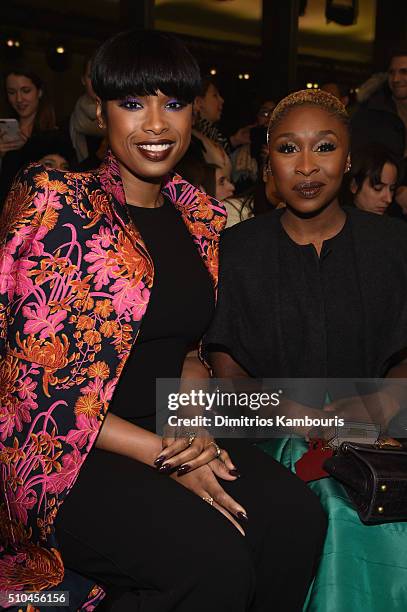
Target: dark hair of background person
<point x="51" y="142"/>
<point x="398" y="50"/>
<point x="368" y="163"/>
<point x="141" y="63"/>
<point x="206" y="82"/>
<point x="45" y="117"/>
<point x="255" y="200"/>
<point x="198" y="173"/>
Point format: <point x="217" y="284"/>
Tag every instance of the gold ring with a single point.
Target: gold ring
<point x="191" y="437"/>
<point x="218" y="449"/>
<point x="209" y="500"/>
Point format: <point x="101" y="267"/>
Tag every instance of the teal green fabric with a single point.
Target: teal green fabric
<point x="363" y="568"/>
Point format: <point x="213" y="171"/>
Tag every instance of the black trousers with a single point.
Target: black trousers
<point x="157" y="547"/>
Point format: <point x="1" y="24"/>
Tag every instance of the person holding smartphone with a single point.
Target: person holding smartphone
<point x="11" y="138"/>
<point x="30" y="106"/>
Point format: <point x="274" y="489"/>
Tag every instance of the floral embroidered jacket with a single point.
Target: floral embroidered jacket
<point x="75" y="280"/>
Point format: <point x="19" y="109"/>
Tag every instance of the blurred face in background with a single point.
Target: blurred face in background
<point x="397" y="77"/>
<point x="264" y="113"/>
<point x="23" y="95"/>
<point x="54" y="160"/>
<point x="210" y="105"/>
<point x="376" y="198"/>
<point x="224" y="187"/>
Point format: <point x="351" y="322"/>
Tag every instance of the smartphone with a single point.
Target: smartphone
<point x="9" y="130"/>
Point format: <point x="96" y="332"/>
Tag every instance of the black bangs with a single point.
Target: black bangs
<point x="368" y="162"/>
<point x="142" y="63"/>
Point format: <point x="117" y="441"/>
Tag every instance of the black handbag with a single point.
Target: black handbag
<point x="375" y="478"/>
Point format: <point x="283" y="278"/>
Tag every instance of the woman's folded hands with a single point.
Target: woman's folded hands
<point x="191" y="450"/>
<point x="195" y="461"/>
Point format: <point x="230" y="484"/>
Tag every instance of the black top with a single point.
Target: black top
<point x="179" y="311"/>
<point x="284" y="313"/>
<point x="320" y="304"/>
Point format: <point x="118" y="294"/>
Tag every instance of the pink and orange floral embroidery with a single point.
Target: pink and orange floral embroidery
<point x="75" y="281"/>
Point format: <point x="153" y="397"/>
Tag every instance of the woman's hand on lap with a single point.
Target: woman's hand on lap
<point x="194" y="450"/>
<point x="203" y="482"/>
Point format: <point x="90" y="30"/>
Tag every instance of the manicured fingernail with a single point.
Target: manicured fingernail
<point x="159" y="460"/>
<point x="234" y="473"/>
<point x="165" y="468"/>
<point x="183" y="469"/>
<point x="242" y="516"/>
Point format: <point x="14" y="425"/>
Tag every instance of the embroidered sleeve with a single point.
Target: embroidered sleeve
<point x="20" y="224"/>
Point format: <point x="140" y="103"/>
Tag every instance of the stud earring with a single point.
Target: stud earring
<point x="348" y="166"/>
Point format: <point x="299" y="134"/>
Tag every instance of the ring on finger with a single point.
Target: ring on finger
<point x="208" y="500"/>
<point x="217" y="448"/>
<point x="191" y="437"/>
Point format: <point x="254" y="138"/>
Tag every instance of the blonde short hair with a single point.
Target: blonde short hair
<point x="308" y="97"/>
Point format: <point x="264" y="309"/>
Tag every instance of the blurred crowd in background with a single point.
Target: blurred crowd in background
<point x="231" y="167"/>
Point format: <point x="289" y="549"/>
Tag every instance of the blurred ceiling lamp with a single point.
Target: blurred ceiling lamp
<point x="343" y="12"/>
<point x="10" y="47"/>
<point x="58" y="56"/>
<point x="213" y="71"/>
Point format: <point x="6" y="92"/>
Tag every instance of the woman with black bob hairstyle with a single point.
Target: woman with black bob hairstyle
<point x="122" y="267"/>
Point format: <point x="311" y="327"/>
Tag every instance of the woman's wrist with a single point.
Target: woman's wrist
<point x="124" y="438"/>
